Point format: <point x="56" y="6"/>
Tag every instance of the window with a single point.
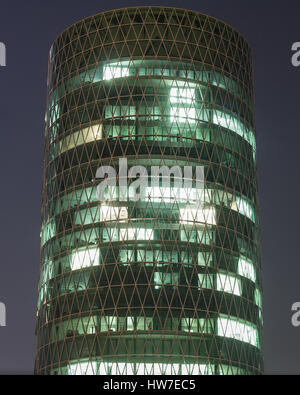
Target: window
<point x="258" y="298"/>
<point x="46" y="275"/>
<point x="82" y="368"/>
<point x="182" y="95"/>
<point x="205" y="281"/>
<point x="229" y="284"/>
<point x="112" y="213"/>
<point x="140" y="324"/>
<point x="161" y="278"/>
<point x="242" y="206"/>
<point x="229" y="121"/>
<point x="246" y="268"/>
<point x="48" y="230"/>
<point x="205" y="236"/>
<point x="206" y="325"/>
<point x="189" y="325"/>
<point x="80" y="137"/>
<point x="170" y="194"/>
<point x="130" y="323"/>
<point x="115" y="70"/>
<point x="186" y="257"/>
<point x="205" y="258"/>
<point x="122" y="368"/>
<point x="54" y="116"/>
<point x="85" y="258"/>
<point x="110" y="234"/>
<point x="136" y="234"/>
<point x="207" y="215"/>
<point x="126" y="256"/>
<point x="182" y="115"/>
<point x="231" y="370"/>
<point x="186" y="235"/>
<point x="196" y="370"/>
<point x="109" y="323"/>
<point x="86" y="216"/>
<point x="237" y="329"/>
<point x="120" y="111"/>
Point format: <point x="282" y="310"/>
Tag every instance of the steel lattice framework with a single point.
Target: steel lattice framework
<point x="147" y="287"/>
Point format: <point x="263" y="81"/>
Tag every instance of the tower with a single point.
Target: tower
<point x="150" y="286"/>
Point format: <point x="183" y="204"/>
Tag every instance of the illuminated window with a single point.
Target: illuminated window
<point x="230" y="370"/>
<point x="189" y="325"/>
<point x="80" y="137"/>
<point x="136" y="234"/>
<point x="46" y="275"/>
<point x="130" y="323"/>
<point x="55" y="114"/>
<point x="228" y="284"/>
<point x="140" y="324"/>
<point x="245" y="208"/>
<point x="109" y="323"/>
<point x="242" y="206"/>
<point x="48" y="271"/>
<point x="196" y="370"/>
<point x="115" y="70"/>
<point x="110" y="234"/>
<point x="229" y="121"/>
<point x="237" y="329"/>
<point x="206" y="215"/>
<point x="246" y="268"/>
<point x="182" y="95"/>
<point x="85" y="258"/>
<point x="112" y="213"/>
<point x="82" y="368"/>
<point x="161" y="278"/>
<point x="123" y="368"/>
<point x="126" y="256"/>
<point x="120" y="111"/>
<point x="258" y="298"/>
<point x="206" y="325"/>
<point x="170" y="194"/>
<point x="205" y="258"/>
<point x="48" y="230"/>
<point x="205" y="236"/>
<point x="205" y="280"/>
<point x="182" y="115"/>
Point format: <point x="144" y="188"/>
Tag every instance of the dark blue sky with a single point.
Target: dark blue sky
<point x="28" y="29"/>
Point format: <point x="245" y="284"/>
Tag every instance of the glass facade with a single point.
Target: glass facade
<point x="151" y="286"/>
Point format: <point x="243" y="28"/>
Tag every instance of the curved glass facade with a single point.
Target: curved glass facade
<point x="150" y="286"/>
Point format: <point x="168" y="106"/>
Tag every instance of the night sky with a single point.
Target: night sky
<point x="28" y="28"/>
